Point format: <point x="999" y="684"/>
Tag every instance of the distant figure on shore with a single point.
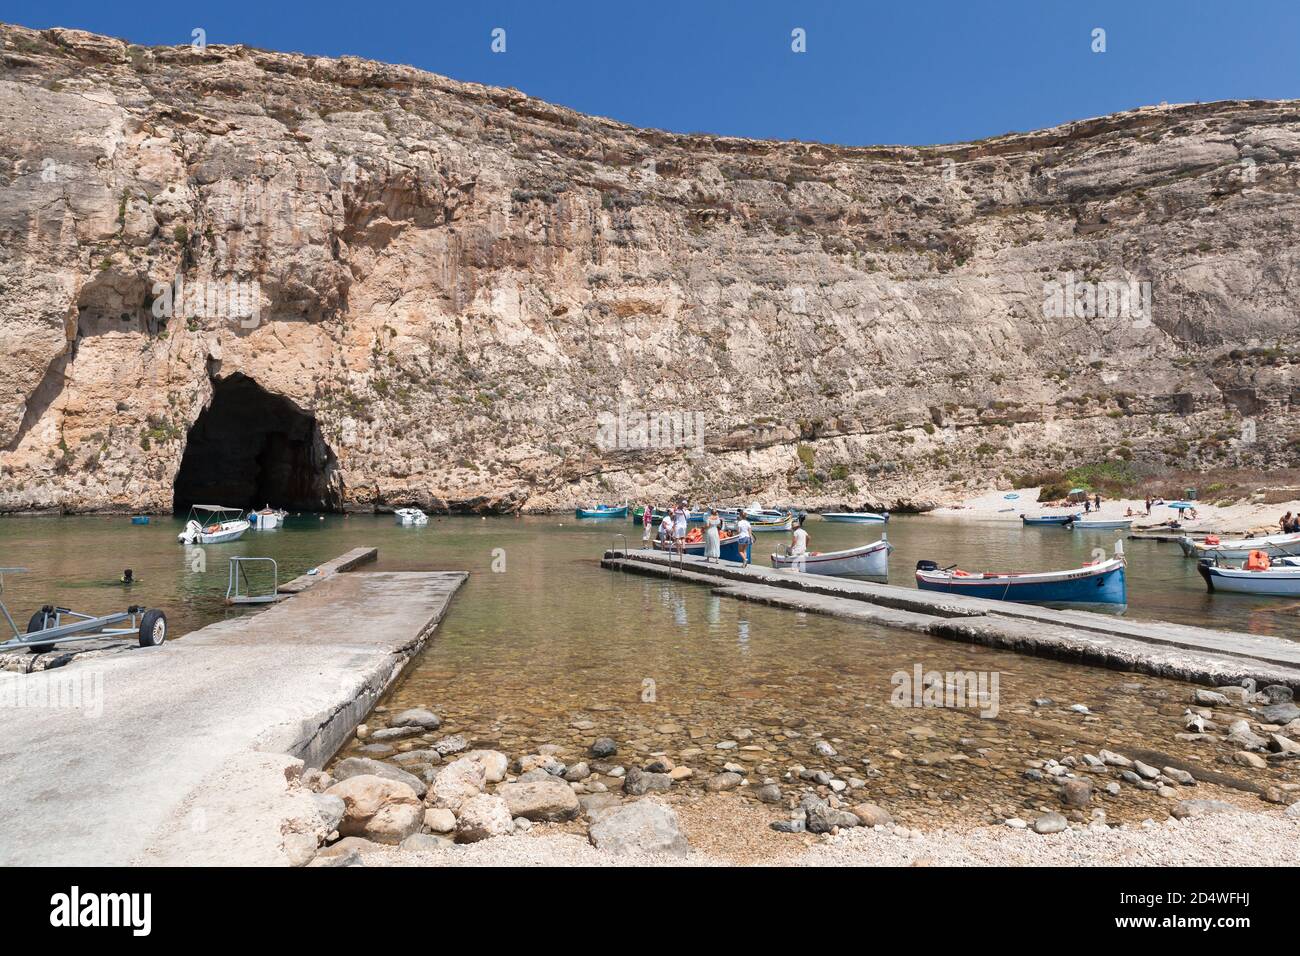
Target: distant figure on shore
<point x="1289" y="524"/>
<point x="1087" y="505"/>
<point x="712" y="536"/>
<point x="746" y="542"/>
<point x="1148" y="506"/>
<point x="1096" y="504"/>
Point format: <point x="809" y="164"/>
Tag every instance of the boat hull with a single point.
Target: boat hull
<point x="854" y="517"/>
<point x="266" y="521"/>
<point x="728" y="548"/>
<point x="1049" y="519"/>
<point x="870" y="560"/>
<point x="1274" y="545"/>
<point x="600" y="512"/>
<point x="410" y="517"/>
<point x="1275" y="582"/>
<point x="228" y="531"/>
<point x="786" y="525"/>
<point x="1101" y="584"/>
<point x="1083" y="524"/>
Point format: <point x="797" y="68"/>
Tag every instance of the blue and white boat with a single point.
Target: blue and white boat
<point x="1051" y="519"/>
<point x="601" y="511"/>
<point x="1100" y="583"/>
<point x="855" y="517"/>
<point x="728" y="547"/>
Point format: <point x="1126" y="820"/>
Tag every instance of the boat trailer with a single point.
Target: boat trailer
<point x="48" y="627"/>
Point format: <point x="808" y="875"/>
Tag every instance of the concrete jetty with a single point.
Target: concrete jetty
<point x="186" y="753"/>
<point x="1196" y="654"/>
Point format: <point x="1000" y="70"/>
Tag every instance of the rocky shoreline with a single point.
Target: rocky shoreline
<point x="409" y="792"/>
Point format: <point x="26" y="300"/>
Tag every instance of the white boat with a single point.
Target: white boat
<point x="1281" y="578"/>
<point x="854" y="517"/>
<point x="870" y="559"/>
<point x="1101" y="524"/>
<point x="1274" y="545"/>
<point x="267" y="518"/>
<point x="410" y="516"/>
<point x="211" y="524"/>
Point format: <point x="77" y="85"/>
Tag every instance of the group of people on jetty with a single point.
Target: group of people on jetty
<point x="672" y="532"/>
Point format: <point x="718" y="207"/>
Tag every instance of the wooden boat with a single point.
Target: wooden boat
<point x="212" y="524"/>
<point x="855" y="517"/>
<point x="785" y="524"/>
<point x="1099" y="583"/>
<point x="1279" y="578"/>
<point x="410" y="516"/>
<point x="639" y="513"/>
<point x="728" y="546"/>
<point x="1274" y="545"/>
<point x="869" y="559"/>
<point x="601" y="511"/>
<point x="1050" y="519"/>
<point x="1101" y="524"/>
<point x="267" y="518"/>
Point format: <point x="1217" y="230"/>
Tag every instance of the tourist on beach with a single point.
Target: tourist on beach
<point x="1148" y="506"/>
<point x="712" y="536"/>
<point x="1285" y="523"/>
<point x="746" y="539"/>
<point x="1087" y="505"/>
<point x="1097" y="502"/>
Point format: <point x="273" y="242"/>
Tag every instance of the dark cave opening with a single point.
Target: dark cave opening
<point x="251" y="448"/>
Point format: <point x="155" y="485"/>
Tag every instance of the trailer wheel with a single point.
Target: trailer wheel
<point x="37" y="623"/>
<point x="153" y="628"/>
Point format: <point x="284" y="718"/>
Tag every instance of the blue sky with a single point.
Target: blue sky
<point x="874" y="71"/>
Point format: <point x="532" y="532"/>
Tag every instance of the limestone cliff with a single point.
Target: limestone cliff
<point x="464" y="298"/>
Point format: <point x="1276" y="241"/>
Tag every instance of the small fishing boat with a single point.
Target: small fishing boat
<point x="728" y="545"/>
<point x="1101" y="524"/>
<point x="1274" y="545"/>
<point x="639" y="513"/>
<point x="855" y="517"/>
<point x="869" y="559"/>
<point x="601" y="511"/>
<point x="1050" y="519"/>
<point x="1259" y="575"/>
<point x="213" y="524"/>
<point x="1098" y="583"/>
<point x="410" y="516"/>
<point x="785" y="524"/>
<point x="139" y="519"/>
<point x="268" y="518"/>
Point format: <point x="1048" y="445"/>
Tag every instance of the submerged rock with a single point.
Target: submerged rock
<point x="351" y="767"/>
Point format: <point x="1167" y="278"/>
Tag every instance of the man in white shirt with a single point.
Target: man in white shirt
<point x="679" y="529"/>
<point x="746" y="541"/>
<point x="800" y="545"/>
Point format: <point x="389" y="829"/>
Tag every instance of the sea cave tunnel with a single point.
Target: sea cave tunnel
<point x="250" y="448"/>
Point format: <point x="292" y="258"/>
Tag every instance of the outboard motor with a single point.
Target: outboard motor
<point x="927" y="565"/>
<point x="191" y="533"/>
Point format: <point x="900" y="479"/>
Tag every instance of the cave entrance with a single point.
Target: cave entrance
<point x="251" y="448"/>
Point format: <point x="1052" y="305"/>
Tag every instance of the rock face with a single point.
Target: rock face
<point x="255" y="276"/>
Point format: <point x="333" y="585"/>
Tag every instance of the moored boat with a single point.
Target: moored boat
<point x="855" y="517"/>
<point x="410" y="516"/>
<point x="1050" y="519"/>
<point x="1099" y="583"/>
<point x="1101" y="524"/>
<point x="139" y="519"/>
<point x="1274" y="545"/>
<point x="785" y="524"/>
<point x="728" y="546"/>
<point x="1279" y="578"/>
<point x="601" y="511"/>
<point x="212" y="524"/>
<point x="267" y="518"/>
<point x="869" y="559"/>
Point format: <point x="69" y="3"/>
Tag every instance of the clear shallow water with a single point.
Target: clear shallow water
<point x="551" y="641"/>
<point x="551" y="572"/>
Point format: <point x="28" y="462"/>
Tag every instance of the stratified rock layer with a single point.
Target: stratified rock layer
<point x="455" y="282"/>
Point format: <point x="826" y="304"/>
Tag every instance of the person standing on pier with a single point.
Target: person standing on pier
<point x="712" y="536"/>
<point x="746" y="539"/>
<point x="679" y="528"/>
<point x="647" y="523"/>
<point x="799" y="543"/>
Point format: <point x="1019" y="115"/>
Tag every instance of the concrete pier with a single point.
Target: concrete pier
<point x="185" y="754"/>
<point x="1195" y="654"/>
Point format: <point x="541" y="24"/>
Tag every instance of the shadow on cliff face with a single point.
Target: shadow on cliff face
<point x="251" y="447"/>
